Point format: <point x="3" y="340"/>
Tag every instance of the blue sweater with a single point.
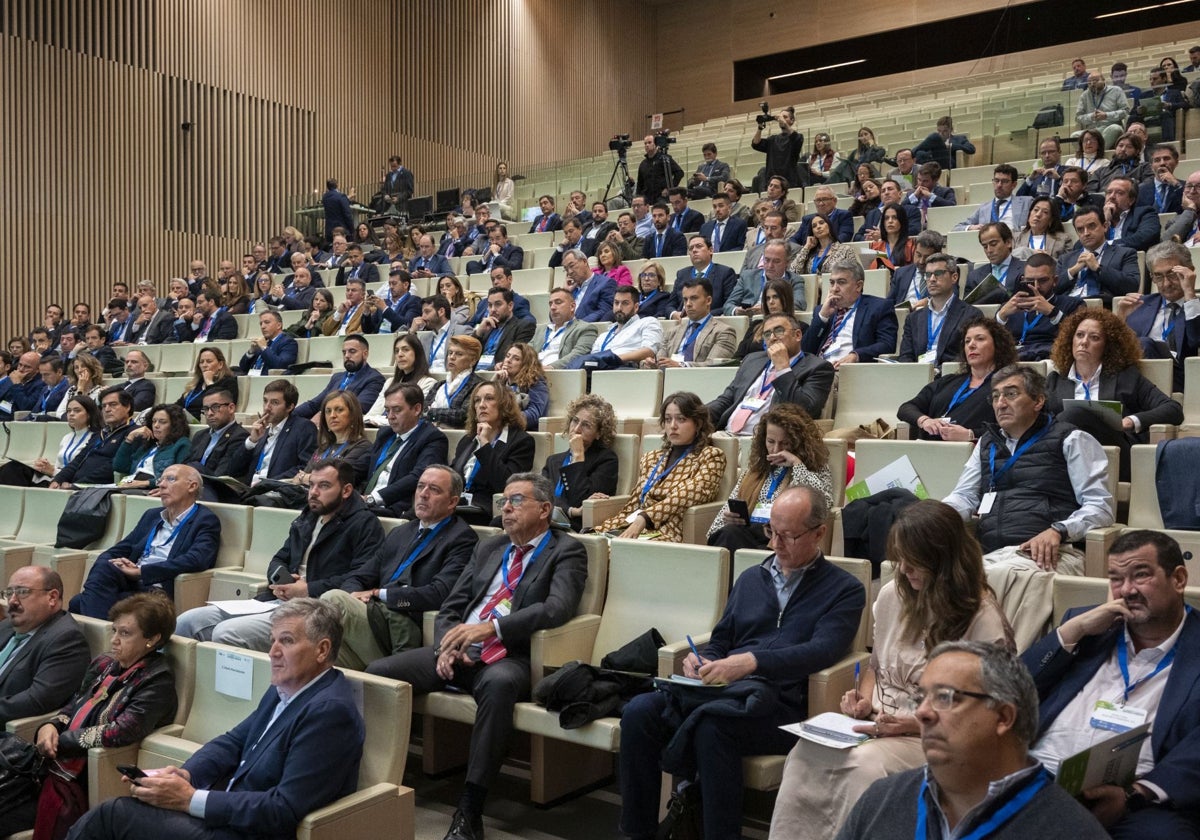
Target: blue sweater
<point x="814" y="630"/>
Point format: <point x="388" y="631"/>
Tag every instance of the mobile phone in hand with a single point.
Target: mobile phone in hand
<point x="131" y="772"/>
<point x="740" y="508"/>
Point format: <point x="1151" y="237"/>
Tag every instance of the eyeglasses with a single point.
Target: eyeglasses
<point x="939" y="272"/>
<point x="582" y="424"/>
<point x="19" y="592"/>
<point x="1009" y="394"/>
<point x="772" y="534"/>
<point x="650" y="276"/>
<point x="778" y="332"/>
<point x="211" y="407"/>
<point x="1191" y="187"/>
<point x="515" y="500"/>
<point x="1162" y="277"/>
<point x="945" y="699"/>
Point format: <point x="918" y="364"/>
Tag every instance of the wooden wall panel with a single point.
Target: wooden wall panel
<point x="100" y="183"/>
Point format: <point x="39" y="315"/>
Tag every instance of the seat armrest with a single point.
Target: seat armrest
<point x="903" y="430"/>
<point x="826" y="687"/>
<point x="1161" y="431"/>
<point x="555" y="646"/>
<point x="26" y="728"/>
<point x="1095" y="549"/>
<point x="596" y="511"/>
<point x="697" y="520"/>
<point x="672" y="654"/>
<point x="191" y="590"/>
<point x="362" y="813"/>
<point x="104" y="779"/>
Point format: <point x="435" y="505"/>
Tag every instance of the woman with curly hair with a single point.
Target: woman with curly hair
<point x="822" y="248"/>
<point x="778" y="298"/>
<point x="588" y="469"/>
<point x="684" y="472"/>
<point x="656" y="300"/>
<point x="211" y="373"/>
<point x="939" y="594"/>
<point x="522" y="371"/>
<point x="147" y="452"/>
<point x="1043" y="231"/>
<point x="498" y="448"/>
<point x="1096" y="356"/>
<point x="958" y="406"/>
<point x="1091" y="153"/>
<point x="785" y="451"/>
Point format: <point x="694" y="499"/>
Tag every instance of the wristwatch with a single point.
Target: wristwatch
<point x="1060" y="529"/>
<point x="1135" y="800"/>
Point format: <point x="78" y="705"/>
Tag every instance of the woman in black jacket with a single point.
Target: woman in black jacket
<point x="589" y="465"/>
<point x="498" y="448"/>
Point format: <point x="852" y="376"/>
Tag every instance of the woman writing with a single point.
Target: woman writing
<point x="785" y="451"/>
<point x="957" y="407"/>
<point x="939" y="593"/>
<point x="83" y="421"/>
<point x="656" y="300"/>
<point x="521" y="371"/>
<point x="211" y="373"/>
<point x="822" y="248"/>
<point x="684" y="472"/>
<point x="589" y="466"/>
<point x="147" y="451"/>
<point x="895" y="246"/>
<point x="499" y="448"/>
<point x="1043" y="231"/>
<point x="408" y="356"/>
<point x="447" y="402"/>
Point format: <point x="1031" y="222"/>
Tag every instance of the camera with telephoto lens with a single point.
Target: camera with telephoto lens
<point x="620" y="143"/>
<point x="765" y="117"/>
<point x="664" y="139"/>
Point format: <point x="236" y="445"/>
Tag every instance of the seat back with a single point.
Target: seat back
<point x="114" y="530"/>
<point x="631" y="393"/>
<point x="387" y="718"/>
<point x="55" y="432"/>
<point x="592" y="602"/>
<point x="705" y="382"/>
<point x="1191" y="390"/>
<point x="838" y="448"/>
<point x="627" y="449"/>
<point x="268" y="533"/>
<point x="564" y="385"/>
<point x="43" y="509"/>
<point x="729" y="446"/>
<point x="869" y="392"/>
<point x="177" y="358"/>
<point x="1159" y="371"/>
<point x="213" y="713"/>
<point x="938" y="463"/>
<point x="1071" y="592"/>
<point x="12" y="502"/>
<point x="25" y="441"/>
<point x="1144" y="511"/>
<point x="678" y="589"/>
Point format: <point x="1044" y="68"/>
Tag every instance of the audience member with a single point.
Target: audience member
<point x="1131" y="226"/>
<point x="1047" y="170"/>
<point x="1102" y="107"/>
<point x="705" y="181"/>
<point x="695" y="339"/>
<point x="1094" y="267"/>
<point x="627" y="342"/>
<point x="1154" y="318"/>
<point x="588" y="469"/>
<point x="942" y="145"/>
<point x="782" y="150"/>
<point x="850" y="326"/>
<point x="279" y="443"/>
<point x="148" y="451"/>
<point x="358" y="378"/>
<point x="1033" y="314"/>
<point x="996" y="240"/>
<point x="1043" y="231"/>
<point x="210" y="373"/>
<point x="933" y="331"/>
<point x="1004" y="207"/>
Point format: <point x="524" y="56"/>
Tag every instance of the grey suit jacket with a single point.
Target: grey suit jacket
<point x="44" y="672"/>
<point x="983" y="213"/>
<point x="576" y="341"/>
<point x="716" y="342"/>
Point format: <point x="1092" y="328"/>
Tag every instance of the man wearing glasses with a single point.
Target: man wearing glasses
<point x="182" y="537"/>
<point x="786" y="618"/>
<point x="1185" y="228"/>
<point x="43" y="653"/>
<point x="1167" y="323"/>
<point x="1037" y="485"/>
<point x="978" y="712"/>
<point x="529" y="578"/>
<point x="219" y="449"/>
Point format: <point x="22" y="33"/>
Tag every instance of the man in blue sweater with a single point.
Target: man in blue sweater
<point x="787" y="618"/>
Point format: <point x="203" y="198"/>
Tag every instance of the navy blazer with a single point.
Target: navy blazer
<point x="143" y="393"/>
<point x="1184" y="339"/>
<point x="595" y="304"/>
<point x="674" y="244"/>
<point x="1148" y="197"/>
<point x="307" y="759"/>
<point x="520" y="310"/>
<point x="1118" y="273"/>
<point x="280" y="352"/>
<point x="949" y="342"/>
<point x="843" y="226"/>
<point x="296" y="443"/>
<point x="1142" y="228"/>
<point x="871" y="220"/>
<point x="983" y="270"/>
<point x="1175" y="735"/>
<point x="722" y="277"/>
<point x="366" y="271"/>
<point x="691" y="222"/>
<point x="1039" y="337"/>
<point x="25" y="396"/>
<point x="510" y="256"/>
<point x="807" y="385"/>
<point x="366" y="385"/>
<point x="734" y="238"/>
<point x="553" y="222"/>
<point x="398" y="316"/>
<point x="875" y="329"/>
<point x="228" y="456"/>
<point x="94" y="465"/>
<point x="426" y="445"/>
<point x="902" y="279"/>
<point x="436" y="265"/>
<point x="224" y="327"/>
<point x="194" y="548"/>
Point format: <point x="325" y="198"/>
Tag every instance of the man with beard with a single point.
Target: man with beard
<point x="359" y="378"/>
<point x="630" y="339"/>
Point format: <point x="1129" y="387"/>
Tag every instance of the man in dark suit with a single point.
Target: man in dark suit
<point x="548" y="220"/>
<point x="996" y="239"/>
<point x="280" y="259"/>
<point x="572" y="238"/>
<point x="722" y="277"/>
<point x="220" y="448"/>
<point x="1071" y="191"/>
<point x="593" y="292"/>
<point x="500" y="253"/>
<point x="357" y="268"/>
<point x="724" y="231"/>
<point x="182" y="537"/>
<point x="297" y="752"/>
<point x="928" y="193"/>
<point x="890" y="192"/>
<point x="412" y="572"/>
<point x="359" y="378"/>
<point x="706" y="181"/>
<point x="779" y="374"/>
<point x="683" y="218"/>
<point x="1033" y="314"/>
<point x="1163" y="192"/>
<point x="933" y="330"/>
<point x="395" y="309"/>
<point x="850" y="326"/>
<point x="1148" y="624"/>
<point x="1094" y="268"/>
<point x="1135" y="227"/>
<point x="664" y="240"/>
<point x="501" y="329"/>
<point x="279" y="442"/>
<point x="38" y="672"/>
<point x="153" y="320"/>
<point x="397" y="185"/>
<point x="597" y="228"/>
<point x="908" y="281"/>
<point x="94" y="465"/>
<point x="276" y="350"/>
<point x="337" y="209"/>
<point x="840" y="221"/>
<point x="1047" y="172"/>
<point x="402" y="451"/>
<point x="95" y="341"/>
<point x="535" y="577"/>
<point x="427" y="262"/>
<point x="215" y="323"/>
<point x="1167" y="323"/>
<point x="22" y="387"/>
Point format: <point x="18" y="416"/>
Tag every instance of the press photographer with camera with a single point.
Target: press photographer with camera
<point x="783" y="150"/>
<point x="658" y="171"/>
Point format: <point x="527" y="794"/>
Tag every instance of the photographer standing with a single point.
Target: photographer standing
<point x="783" y="149"/>
<point x="652" y="180"/>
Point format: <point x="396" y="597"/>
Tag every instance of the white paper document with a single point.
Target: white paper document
<point x="247" y="607"/>
<point x="235" y="674"/>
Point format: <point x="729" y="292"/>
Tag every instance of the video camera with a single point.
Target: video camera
<point x="664" y="139"/>
<point x="765" y="117"/>
<point x="620" y="143"/>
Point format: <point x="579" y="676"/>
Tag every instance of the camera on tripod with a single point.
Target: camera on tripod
<point x="765" y="117"/>
<point x="620" y="143"/>
<point x="664" y="139"/>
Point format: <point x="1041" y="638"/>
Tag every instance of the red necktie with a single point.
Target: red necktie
<point x="833" y="329"/>
<point x="494" y="649"/>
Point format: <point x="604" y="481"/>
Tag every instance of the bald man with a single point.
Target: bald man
<point x="182" y="537"/>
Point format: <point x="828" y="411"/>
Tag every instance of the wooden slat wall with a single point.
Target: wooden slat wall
<point x="100" y="183"/>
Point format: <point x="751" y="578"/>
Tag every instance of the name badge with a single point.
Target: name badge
<point x="465" y="498"/>
<point x="255" y="372"/>
<point x="486" y="360"/>
<point x="6" y="406"/>
<point x="677" y="358"/>
<point x="1116" y="718"/>
<point x="985" y="504"/>
<point x="928" y="357"/>
<point x="753" y="404"/>
<point x="502" y="609"/>
<point x="761" y="513"/>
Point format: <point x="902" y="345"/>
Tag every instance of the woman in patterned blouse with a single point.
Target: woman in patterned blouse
<point x="686" y="471"/>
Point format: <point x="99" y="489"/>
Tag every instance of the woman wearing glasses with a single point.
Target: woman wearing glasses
<point x="939" y="593"/>
<point x="656" y="300"/>
<point x="588" y="468"/>
<point x="684" y="472"/>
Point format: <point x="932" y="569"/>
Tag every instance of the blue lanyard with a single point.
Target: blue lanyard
<point x="438" y="346"/>
<point x="965" y="390"/>
<point x="1028" y="326"/>
<point x="1038" y="246"/>
<point x="50" y="393"/>
<point x="1020" y="800"/>
<point x="998" y="209"/>
<point x="887" y="247"/>
<point x="493" y="340"/>
<point x="262" y="456"/>
<point x="833" y="336"/>
<point x="1001" y="276"/>
<point x="558" y="488"/>
<point x="412" y="555"/>
<point x="609" y="337"/>
<point x="1167" y="330"/>
<point x="149" y="456"/>
<point x="258" y="363"/>
<point x="346" y="318"/>
<point x="561" y="330"/>
<point x="346" y="380"/>
<point x="192" y="395"/>
<point x="1123" y="662"/>
<point x="655" y="477"/>
<point x="451" y="397"/>
<point x="525" y="566"/>
<point x="780" y="472"/>
<point x="1017" y="454"/>
<point x="175" y="533"/>
<point x="816" y="263"/>
<point x="691" y="339"/>
<point x="73" y="445"/>
<point x="336" y="452"/>
<point x="387" y="452"/>
<point x="933" y="334"/>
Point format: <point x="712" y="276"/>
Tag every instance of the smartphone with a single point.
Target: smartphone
<point x="1025" y="286"/>
<point x="131" y="771"/>
<point x="279" y="575"/>
<point x="740" y="508"/>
